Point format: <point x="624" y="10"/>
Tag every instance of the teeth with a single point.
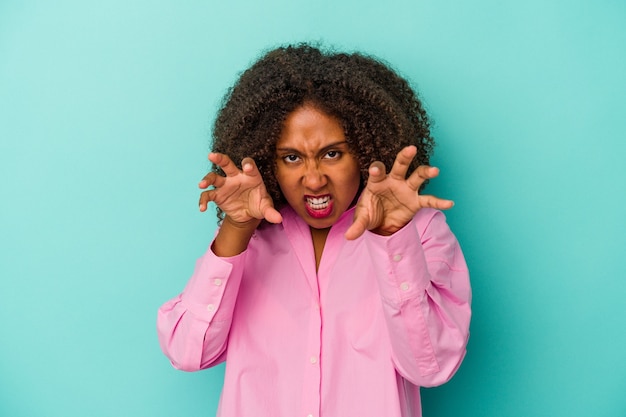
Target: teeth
<point x="318" y="203"/>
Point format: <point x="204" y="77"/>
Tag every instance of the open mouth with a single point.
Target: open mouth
<point x="318" y="203"/>
<point x="318" y="207"/>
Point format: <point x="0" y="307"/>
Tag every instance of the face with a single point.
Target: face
<point x="315" y="170"/>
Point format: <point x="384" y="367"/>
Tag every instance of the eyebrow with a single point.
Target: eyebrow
<point x="324" y="149"/>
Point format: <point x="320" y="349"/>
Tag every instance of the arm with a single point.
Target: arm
<point x="193" y="326"/>
<point x="424" y="285"/>
<point x="423" y="280"/>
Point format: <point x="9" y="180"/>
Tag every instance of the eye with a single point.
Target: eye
<point x="332" y="155"/>
<point x="291" y="158"/>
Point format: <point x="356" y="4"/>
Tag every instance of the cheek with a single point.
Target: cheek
<point x="279" y="174"/>
<point x="353" y="185"/>
<point x="285" y="181"/>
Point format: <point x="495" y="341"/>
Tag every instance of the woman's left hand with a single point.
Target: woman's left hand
<point x="389" y="201"/>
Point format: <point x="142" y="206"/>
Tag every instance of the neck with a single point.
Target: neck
<point x="319" y="241"/>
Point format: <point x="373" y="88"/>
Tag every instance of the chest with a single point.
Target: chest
<point x="282" y="278"/>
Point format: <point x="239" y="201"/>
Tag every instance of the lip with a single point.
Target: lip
<point x="319" y="206"/>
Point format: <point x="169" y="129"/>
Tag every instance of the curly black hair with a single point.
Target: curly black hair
<point x="379" y="111"/>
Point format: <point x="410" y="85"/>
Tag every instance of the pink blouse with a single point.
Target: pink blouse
<point x="381" y="317"/>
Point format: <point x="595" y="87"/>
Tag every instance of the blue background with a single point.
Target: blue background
<point x="105" y="116"/>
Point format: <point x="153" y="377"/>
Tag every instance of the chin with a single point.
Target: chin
<point x="320" y="223"/>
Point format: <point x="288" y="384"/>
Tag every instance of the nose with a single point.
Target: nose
<point x="314" y="178"/>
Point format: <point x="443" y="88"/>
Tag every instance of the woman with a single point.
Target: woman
<point x="333" y="287"/>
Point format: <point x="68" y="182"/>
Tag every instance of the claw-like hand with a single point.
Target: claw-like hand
<point x="240" y="194"/>
<point x="389" y="201"/>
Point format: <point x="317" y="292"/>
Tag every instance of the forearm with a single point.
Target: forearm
<point x="193" y="327"/>
<point x="190" y="342"/>
<point x="425" y="290"/>
<point x="233" y="237"/>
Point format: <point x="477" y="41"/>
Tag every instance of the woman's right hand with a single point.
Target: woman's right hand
<point x="240" y="194"/>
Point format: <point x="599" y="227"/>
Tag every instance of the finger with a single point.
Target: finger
<point x="225" y="163"/>
<point x="431" y="201"/>
<point x="205" y="197"/>
<point x="204" y="182"/>
<point x="213" y="179"/>
<point x="268" y="211"/>
<point x="272" y="215"/>
<point x="249" y="167"/>
<point x="402" y="162"/>
<point x="376" y="172"/>
<point x="421" y="174"/>
<point x="357" y="228"/>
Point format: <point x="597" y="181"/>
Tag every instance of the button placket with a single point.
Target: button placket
<point x="312" y="377"/>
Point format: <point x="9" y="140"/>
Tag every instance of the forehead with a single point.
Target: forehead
<point x="309" y="127"/>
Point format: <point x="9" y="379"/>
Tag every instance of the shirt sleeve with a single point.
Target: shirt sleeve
<point x="193" y="326"/>
<point x="426" y="295"/>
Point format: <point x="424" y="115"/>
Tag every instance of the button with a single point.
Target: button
<point x="210" y="307"/>
<point x="313" y="359"/>
<point x="217" y="282"/>
<point x="397" y="257"/>
<point x="310" y="415"/>
<point x="404" y="286"/>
